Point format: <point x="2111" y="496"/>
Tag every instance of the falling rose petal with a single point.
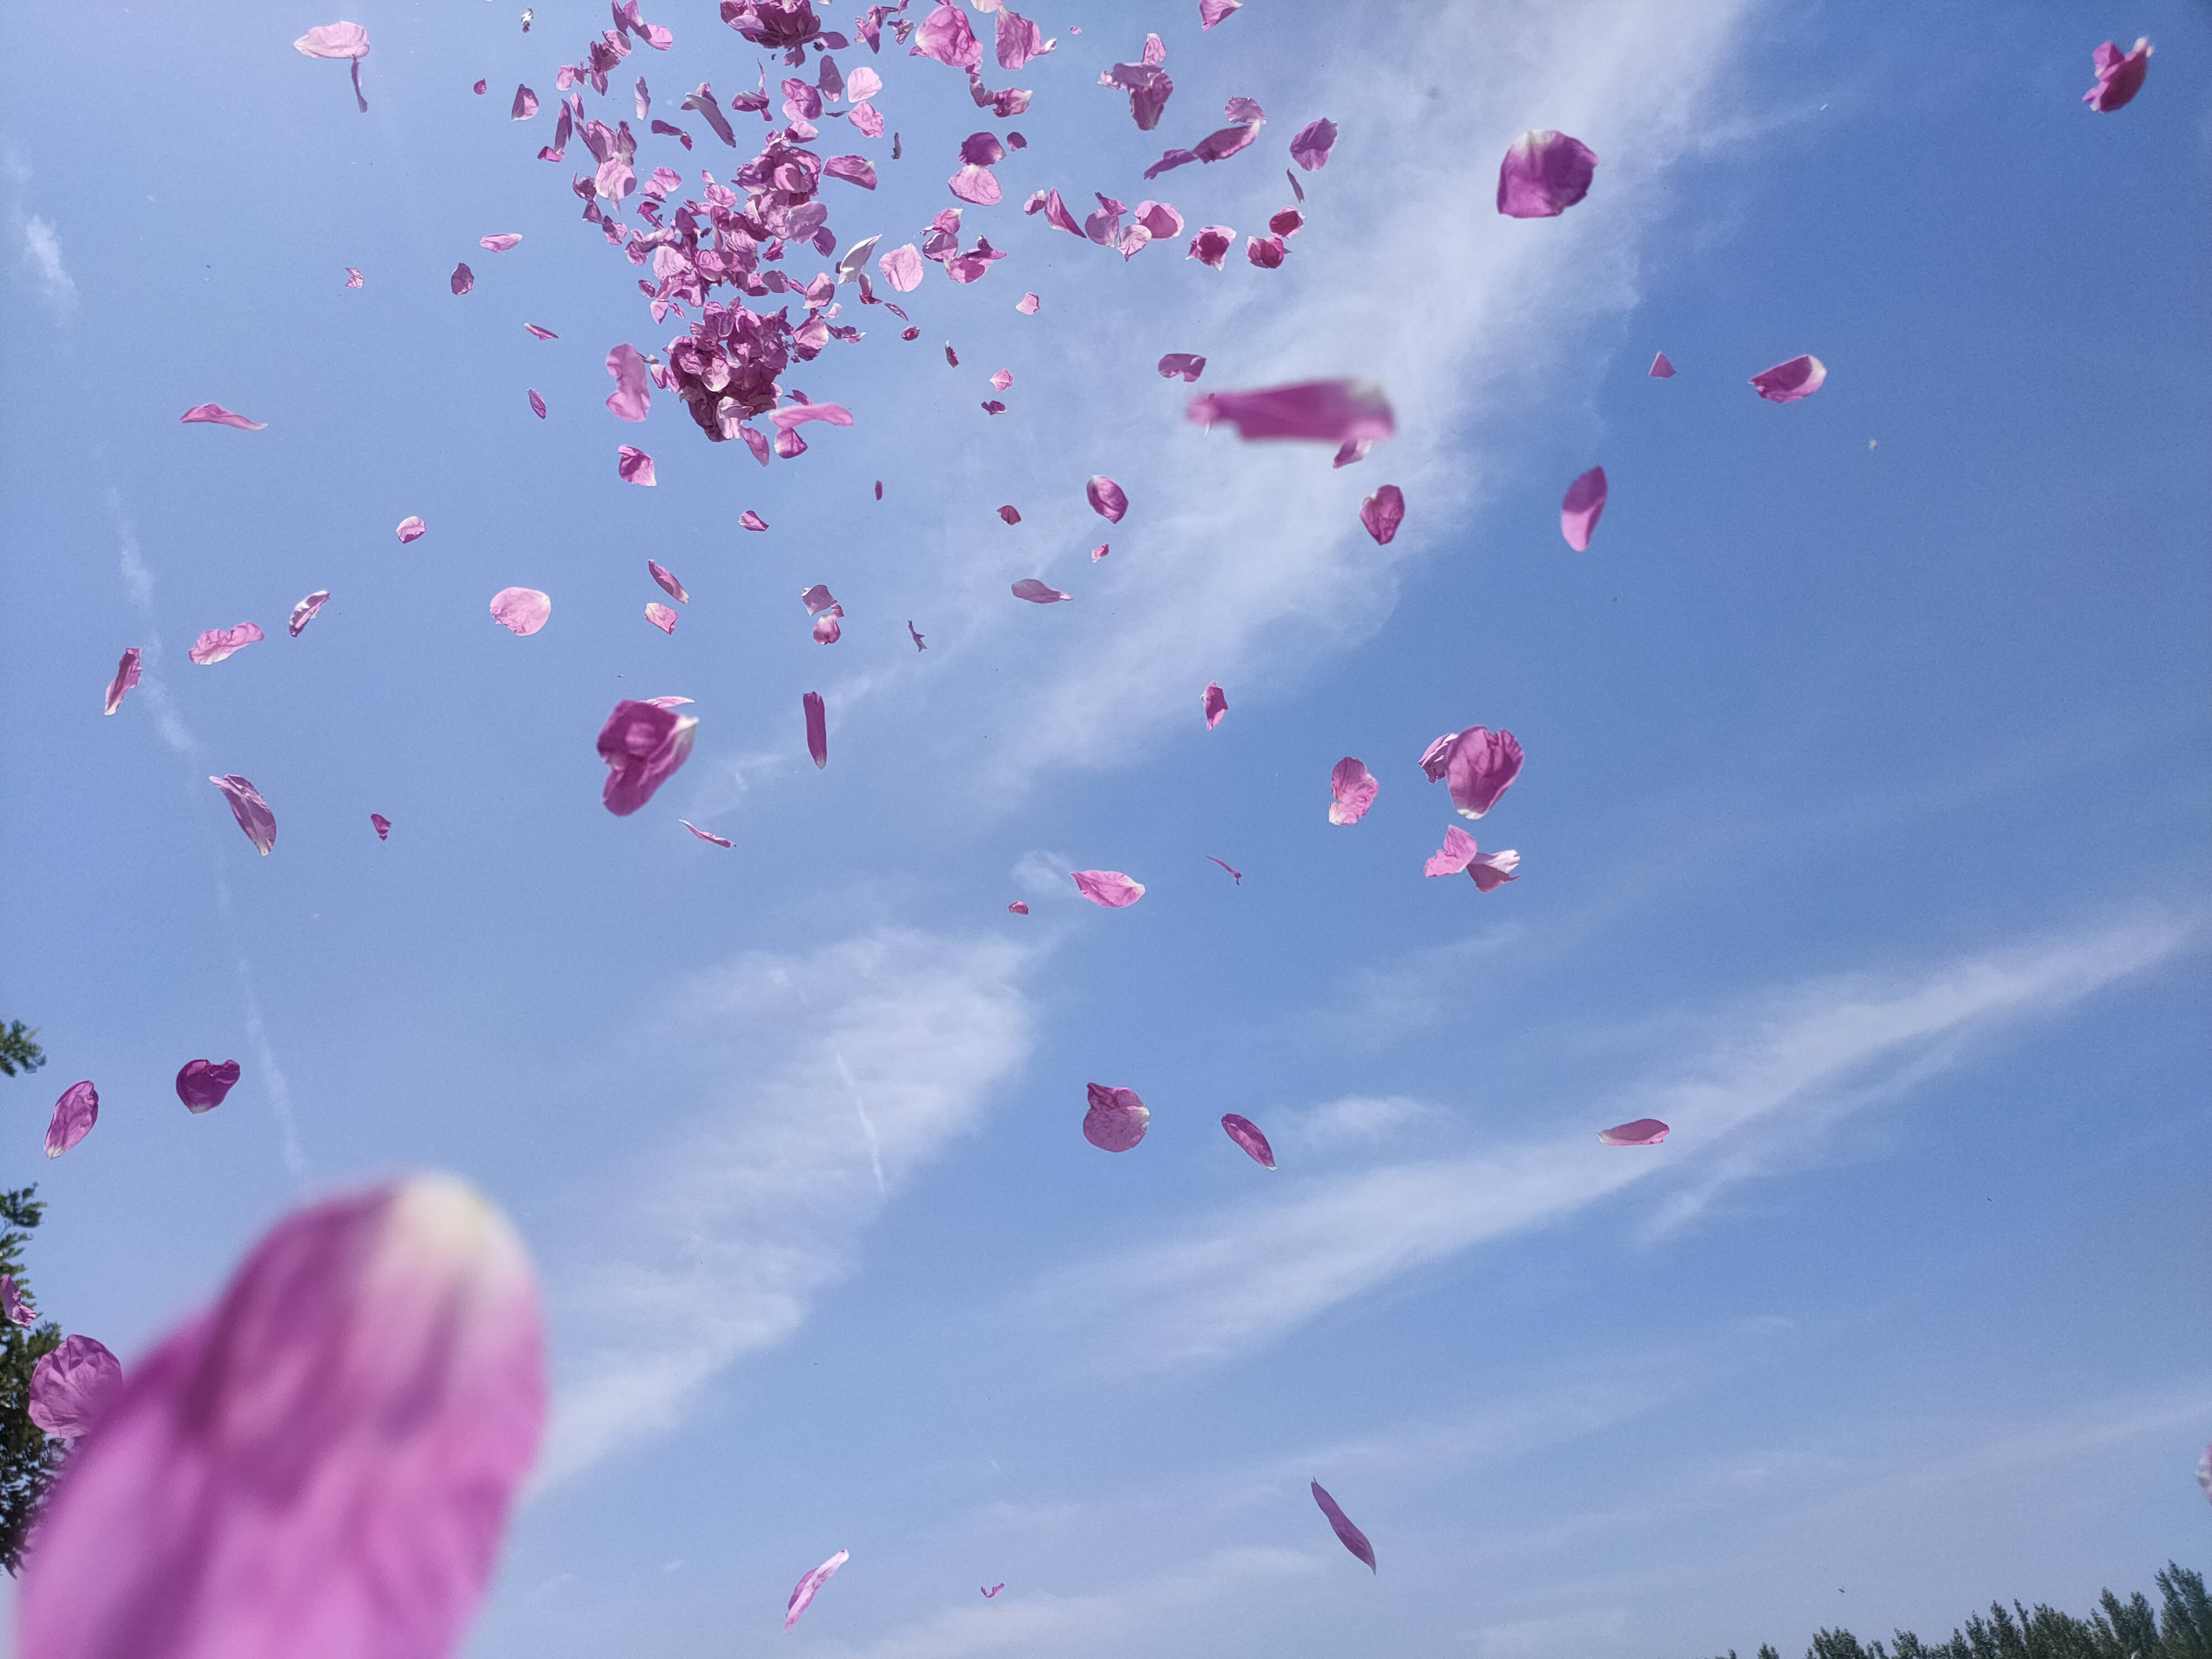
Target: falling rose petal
<point x="2119" y="76"/>
<point x="1353" y="789"/>
<point x="382" y="824"/>
<point x="1211" y="12"/>
<point x="304" y="612"/>
<point x="1019" y="908"/>
<point x="901" y="267"/>
<point x="749" y="519"/>
<point x="819" y="598"/>
<point x="338" y="40"/>
<point x="1543" y="174"/>
<point x="634" y="466"/>
<point x="1643" y="1131"/>
<point x="1383" y="513"/>
<point x="71" y="1386"/>
<point x="1330" y="411"/>
<point x="500" y="243"/>
<point x="995" y="1589"/>
<point x="1491" y="871"/>
<point x="951" y="357"/>
<point x="1110" y="888"/>
<point x="14" y="1305"/>
<point x="802" y="1594"/>
<point x="1351" y="452"/>
<point x="75" y="1113"/>
<point x="1478" y="764"/>
<point x="1036" y="592"/>
<point x="352" y="278"/>
<point x="537" y="403"/>
<point x="1116" y="1118"/>
<point x="410" y="527"/>
<point x="1184" y="363"/>
<point x="1010" y="513"/>
<point x="1457" y="854"/>
<point x="1785" y="383"/>
<point x="218" y="643"/>
<point x="1212" y="245"/>
<point x="632" y="398"/>
<point x="1341" y="1523"/>
<point x="1019" y="41"/>
<point x="521" y="609"/>
<point x="705" y="834"/>
<point x="1246" y="1133"/>
<point x="1289" y="223"/>
<point x="1027" y="304"/>
<point x="202" y="1083"/>
<point x="993" y="406"/>
<point x="1215" y="703"/>
<point x="462" y="280"/>
<point x="1310" y="149"/>
<point x="1003" y="379"/>
<point x="480" y="88"/>
<point x="252" y="812"/>
<point x="1267" y="254"/>
<point x="662" y="618"/>
<point x="1100" y="551"/>
<point x="356" y="1412"/>
<point x="1108" y="499"/>
<point x="818" y="728"/>
<point x="1579" y="511"/>
<point x="1297" y="189"/>
<point x="945" y="36"/>
<point x="644" y="745"/>
<point x="1235" y="874"/>
<point x="126" y="676"/>
<point x="524" y="104"/>
<point x="918" y="644"/>
<point x="666" y="579"/>
<point x="216" y="414"/>
<point x="542" y="333"/>
<point x="859" y="170"/>
<point x="1661" y="368"/>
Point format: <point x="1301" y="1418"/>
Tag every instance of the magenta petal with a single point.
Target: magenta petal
<point x="70" y="1388"/>
<point x="1235" y="874"/>
<point x="1331" y="411"/>
<point x="1027" y="304"/>
<point x="1215" y="703"/>
<point x="2119" y="77"/>
<point x="995" y="1589"/>
<point x="1580" y="509"/>
<point x="632" y="396"/>
<point x="1785" y="383"/>
<point x="306" y="610"/>
<point x="202" y="1083"/>
<point x="1543" y="174"/>
<point x="1661" y="368"/>
<point x="1643" y="1131"/>
<point x="1480" y="766"/>
<point x="643" y="745"/>
<point x="15" y="1305"/>
<point x="1019" y="908"/>
<point x="411" y="528"/>
<point x="666" y="579"/>
<point x="542" y="333"/>
<point x="818" y="728"/>
<point x="126" y="676"/>
<point x="1184" y="363"/>
<point x="662" y="618"/>
<point x="749" y="519"/>
<point x="1491" y="871"/>
<point x="1212" y="245"/>
<point x="1310" y="149"/>
<point x="918" y="644"/>
<point x="216" y="414"/>
<point x="1246" y="1133"/>
<point x="354" y="1414"/>
<point x="704" y="834"/>
<point x="634" y="466"/>
<point x="524" y="104"/>
<point x="219" y="643"/>
<point x="1341" y="1523"/>
<point x="537" y="403"/>
<point x="1116" y="1118"/>
<point x="382" y="824"/>
<point x="1108" y="499"/>
<point x="1354" y="788"/>
<point x="1383" y="513"/>
<point x="252" y="812"/>
<point x="1110" y="888"/>
<point x="75" y="1113"/>
<point x="1457" y="854"/>
<point x="462" y="280"/>
<point x="521" y="609"/>
<point x="802" y="1593"/>
<point x="1036" y="592"/>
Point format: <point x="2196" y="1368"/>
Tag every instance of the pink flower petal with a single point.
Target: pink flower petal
<point x="1036" y="592"/>
<point x="356" y="1413"/>
<point x="1785" y="383"/>
<point x="854" y="170"/>
<point x="1010" y="513"/>
<point x="542" y="333"/>
<point x="252" y="812"/>
<point x="995" y="1589"/>
<point x="501" y="242"/>
<point x="977" y="185"/>
<point x="1246" y="1133"/>
<point x="1183" y="363"/>
<point x="71" y="1386"/>
<point x="218" y="643"/>
<point x="1579" y="510"/>
<point x="1351" y="452"/>
<point x="1661" y="368"/>
<point x="537" y="403"/>
<point x="705" y="834"/>
<point x="352" y="278"/>
<point x="749" y="519"/>
<point x="1116" y="1120"/>
<point x="1330" y="411"/>
<point x="1215" y="704"/>
<point x="632" y="396"/>
<point x="382" y="824"/>
<point x="662" y="618"/>
<point x="1267" y="254"/>
<point x="1543" y="174"/>
<point x="1212" y="245"/>
<point x="1100" y="551"/>
<point x="1027" y="304"/>
<point x="667" y="581"/>
<point x="216" y="414"/>
<point x="644" y="745"/>
<point x="126" y="676"/>
<point x="1108" y="499"/>
<point x="15" y="1304"/>
<point x="1235" y="874"/>
<point x="918" y="645"/>
<point x="1003" y="379"/>
<point x="521" y="609"/>
<point x="410" y="528"/>
<point x="1289" y="223"/>
<point x="1383" y="513"/>
<point x="2119" y="77"/>
<point x="306" y="610"/>
<point x="818" y="728"/>
<point x="480" y="87"/>
<point x="1353" y="788"/>
<point x="1341" y="1523"/>
<point x="802" y="1593"/>
<point x="75" y="1113"/>
<point x="462" y="280"/>
<point x="901" y="267"/>
<point x="1643" y="1131"/>
<point x="1019" y="908"/>
<point x="634" y="466"/>
<point x="202" y="1083"/>
<point x="333" y="41"/>
<point x="1310" y="149"/>
<point x="1211" y="12"/>
<point x="1457" y="854"/>
<point x="1110" y="888"/>
<point x="1491" y="871"/>
<point x="1479" y="764"/>
<point x="524" y="104"/>
<point x="1019" y="40"/>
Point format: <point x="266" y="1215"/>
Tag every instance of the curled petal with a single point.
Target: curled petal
<point x="216" y="414"/>
<point x="521" y="609"/>
<point x="252" y="812"/>
<point x="662" y="618"/>
<point x="1353" y="789"/>
<point x="462" y="280"/>
<point x="1580" y="509"/>
<point x="1215" y="703"/>
<point x="1785" y="383"/>
<point x="666" y="579"/>
<point x="1246" y="1133"/>
<point x="306" y="610"/>
<point x="704" y="834"/>
<point x="802" y="1593"/>
<point x="126" y="676"/>
<point x="644" y="745"/>
<point x="537" y="403"/>
<point x="634" y="466"/>
<point x="382" y="824"/>
<point x="2119" y="76"/>
<point x="1183" y="363"/>
<point x="1116" y="1118"/>
<point x="1310" y="149"/>
<point x="1661" y="368"/>
<point x="75" y="1113"/>
<point x="1543" y="174"/>
<point x="1479" y="765"/>
<point x="1108" y="499"/>
<point x="1383" y="513"/>
<point x="1019" y="908"/>
<point x="202" y="1083"/>
<point x="501" y="242"/>
<point x="218" y="643"/>
<point x="411" y="528"/>
<point x="333" y="41"/>
<point x="1027" y="304"/>
<point x="1643" y="1131"/>
<point x="1110" y="888"/>
<point x="1036" y="592"/>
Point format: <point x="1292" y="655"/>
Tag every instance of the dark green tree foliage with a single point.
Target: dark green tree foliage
<point x="19" y="1050"/>
<point x="2180" y="1629"/>
<point x="28" y="1460"/>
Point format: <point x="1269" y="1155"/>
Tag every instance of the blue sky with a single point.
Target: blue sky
<point x="1864" y="826"/>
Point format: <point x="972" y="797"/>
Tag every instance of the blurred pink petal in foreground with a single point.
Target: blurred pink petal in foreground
<point x="1107" y="887"/>
<point x="252" y="812"/>
<point x="411" y="528"/>
<point x="521" y="609"/>
<point x="662" y="618"/>
<point x="1329" y="411"/>
<point x="1785" y="383"/>
<point x="216" y="414"/>
<point x="1108" y="499"/>
<point x="1353" y="787"/>
<point x="643" y="745"/>
<point x="1036" y="592"/>
<point x="802" y="1593"/>
<point x="1661" y="368"/>
<point x="2119" y="76"/>
<point x="1341" y="1523"/>
<point x="126" y="676"/>
<point x="1479" y="764"/>
<point x="666" y="579"/>
<point x="218" y="643"/>
<point x="1643" y="1131"/>
<point x="353" y="1415"/>
<point x="1186" y="364"/>
<point x="1215" y="702"/>
<point x="382" y="824"/>
<point x="75" y="1113"/>
<point x="1580" y="508"/>
<point x="1383" y="513"/>
<point x="304" y="612"/>
<point x="1543" y="174"/>
<point x="1116" y="1120"/>
<point x="1490" y="870"/>
<point x="1246" y="1133"/>
<point x="71" y="1386"/>
<point x="705" y="834"/>
<point x="818" y="728"/>
<point x="202" y="1083"/>
<point x="634" y="466"/>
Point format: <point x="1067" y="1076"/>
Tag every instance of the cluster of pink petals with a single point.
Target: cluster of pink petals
<point x="521" y="609"/>
<point x="2119" y="76"/>
<point x="202" y="1083"/>
<point x="1643" y="1131"/>
<point x="75" y="1113"/>
<point x="218" y="643"/>
<point x="252" y="812"/>
<point x="1490" y="870"/>
<point x="1246" y="1133"/>
<point x="72" y="1386"/>
<point x="126" y="676"/>
<point x="1328" y="411"/>
<point x="1579" y="509"/>
<point x="643" y="745"/>
<point x="1543" y="174"/>
<point x="1479" y="764"/>
<point x="1117" y="1118"/>
<point x="1353" y="789"/>
<point x="1341" y="1523"/>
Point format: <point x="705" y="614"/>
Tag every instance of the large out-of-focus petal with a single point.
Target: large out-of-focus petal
<point x="1353" y="788"/>
<point x="1117" y="1118"/>
<point x="202" y="1083"/>
<point x="72" y="1387"/>
<point x="1580" y="507"/>
<point x="1246" y="1133"/>
<point x="521" y="609"/>
<point x="1341" y="1523"/>
<point x="1329" y="411"/>
<point x="1785" y="383"/>
<point x="252" y="812"/>
<point x="1643" y="1131"/>
<point x="802" y="1593"/>
<point x="1543" y="174"/>
<point x="75" y="1113"/>
<point x="1107" y="887"/>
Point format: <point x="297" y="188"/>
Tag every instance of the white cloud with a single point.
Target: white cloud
<point x="839" y="1073"/>
<point x="1356" y="1120"/>
<point x="1044" y="874"/>
<point x="42" y="253"/>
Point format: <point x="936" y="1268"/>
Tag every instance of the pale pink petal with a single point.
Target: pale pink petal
<point x="945" y="36"/>
<point x="862" y="84"/>
<point x="1003" y="379"/>
<point x="662" y="618"/>
<point x="666" y="579"/>
<point x="667" y="702"/>
<point x="218" y="643"/>
<point x="252" y="812"/>
<point x="705" y="834"/>
<point x="1661" y="368"/>
<point x="501" y="242"/>
<point x="977" y="185"/>
<point x="1479" y="764"/>
<point x="72" y="1387"/>
<point x="322" y="1463"/>
<point x="1116" y="1120"/>
<point x="1019" y="908"/>
<point x="1543" y="174"/>
<point x="537" y="403"/>
<point x="634" y="466"/>
<point x="1330" y="411"/>
<point x="1457" y="854"/>
<point x="126" y="676"/>
<point x="352" y="278"/>
<point x="1036" y="592"/>
<point x="216" y="414"/>
<point x="1310" y="149"/>
<point x="542" y="333"/>
<point x="1246" y="1133"/>
<point x="305" y="611"/>
<point x="791" y="415"/>
<point x="2119" y="77"/>
<point x="1579" y="511"/>
<point x="818" y="728"/>
<point x="382" y="824"/>
<point x="1108" y="499"/>
<point x="410" y="527"/>
<point x="462" y="280"/>
<point x="1027" y="304"/>
<point x="521" y="609"/>
<point x="1491" y="871"/>
<point x="75" y="1113"/>
<point x="1107" y="887"/>
<point x="1383" y="513"/>
<point x="1785" y="383"/>
<point x="1184" y="363"/>
<point x="632" y="396"/>
<point x="1353" y="788"/>
<point x="1341" y="1523"/>
<point x="644" y="745"/>
<point x="1211" y="12"/>
<point x="802" y="1594"/>
<point x="749" y="519"/>
<point x="1643" y="1131"/>
<point x="333" y="41"/>
<point x="1215" y="703"/>
<point x="202" y="1083"/>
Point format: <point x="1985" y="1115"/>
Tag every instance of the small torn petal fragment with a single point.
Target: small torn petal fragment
<point x="1341" y="1523"/>
<point x="643" y="745"/>
<point x="382" y="824"/>
<point x="1019" y="909"/>
<point x="1579" y="511"/>
<point x="462" y="280"/>
<point x="1383" y="513"/>
<point x="662" y="618"/>
<point x="1661" y="368"/>
<point x="71" y="1386"/>
<point x="1785" y="383"/>
<point x="918" y="644"/>
<point x="304" y="612"/>
<point x="218" y="643"/>
<point x="1235" y="874"/>
<point x="666" y="579"/>
<point x="1478" y="764"/>
<point x="1215" y="702"/>
<point x="410" y="528"/>
<point x="634" y="466"/>
<point x="995" y="1589"/>
<point x="1643" y="1131"/>
<point x="1543" y="174"/>
<point x="632" y="396"/>
<point x="1310" y="149"/>
<point x="203" y="1084"/>
<point x="216" y="414"/>
<point x="1183" y="363"/>
<point x="1329" y="411"/>
<point x="802" y="1594"/>
<point x="501" y="242"/>
<point x="252" y="812"/>
<point x="1027" y="304"/>
<point x="1110" y="888"/>
<point x="1246" y="1133"/>
<point x="1036" y="592"/>
<point x="75" y="1113"/>
<point x="521" y="609"/>
<point x="2120" y="77"/>
<point x="1108" y="499"/>
<point x="537" y="403"/>
<point x="352" y="278"/>
<point x="1117" y="1118"/>
<point x="1353" y="788"/>
<point x="704" y="834"/>
<point x="126" y="676"/>
<point x="15" y="1306"/>
<point x="818" y="728"/>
